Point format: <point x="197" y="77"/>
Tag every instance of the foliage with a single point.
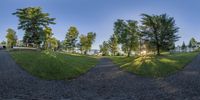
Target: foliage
<point x="53" y="43"/>
<point x="32" y="20"/>
<point x="47" y="37"/>
<point x="11" y="38"/>
<point x="104" y="48"/>
<point x="3" y="43"/>
<point x="113" y="44"/>
<point x="71" y="38"/>
<point x="160" y="30"/>
<point x="60" y="46"/>
<point x="27" y="39"/>
<point x="192" y="43"/>
<point x="86" y="42"/>
<point x="173" y="46"/>
<point x="53" y="65"/>
<point x="183" y="47"/>
<point x="49" y="42"/>
<point x="83" y="43"/>
<point x="127" y="34"/>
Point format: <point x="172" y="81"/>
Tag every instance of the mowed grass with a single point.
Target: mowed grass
<point x="53" y="65"/>
<point x="155" y="66"/>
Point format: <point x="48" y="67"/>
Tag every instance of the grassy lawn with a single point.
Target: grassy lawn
<point x="155" y="66"/>
<point x="52" y="65"/>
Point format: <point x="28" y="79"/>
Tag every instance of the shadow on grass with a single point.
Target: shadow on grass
<point x="155" y="66"/>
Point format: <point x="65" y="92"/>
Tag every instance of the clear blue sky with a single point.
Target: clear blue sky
<point x="99" y="15"/>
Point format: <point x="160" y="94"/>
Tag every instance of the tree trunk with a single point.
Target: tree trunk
<point x="130" y="48"/>
<point x="158" y="49"/>
<point x="140" y="40"/>
<point x="157" y="44"/>
<point x="129" y="52"/>
<point x="85" y="52"/>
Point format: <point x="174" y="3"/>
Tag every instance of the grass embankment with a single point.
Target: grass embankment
<point x="155" y="66"/>
<point x="52" y="65"/>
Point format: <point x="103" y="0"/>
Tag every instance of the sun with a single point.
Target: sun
<point x="143" y="52"/>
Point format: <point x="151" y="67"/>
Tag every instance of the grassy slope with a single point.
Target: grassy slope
<point x="49" y="65"/>
<point x="155" y="66"/>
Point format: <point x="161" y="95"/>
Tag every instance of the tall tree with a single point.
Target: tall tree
<point x="183" y="47"/>
<point x="3" y="43"/>
<point x="83" y="43"/>
<point x="59" y="45"/>
<point x="11" y="38"/>
<point x="53" y="43"/>
<point x="104" y="48"/>
<point x="86" y="41"/>
<point x="32" y="20"/>
<point x="127" y="34"/>
<point x="173" y="46"/>
<point x="71" y="38"/>
<point x="47" y="37"/>
<point x="160" y="30"/>
<point x="90" y="40"/>
<point x="192" y="43"/>
<point x="27" y="39"/>
<point x="113" y="44"/>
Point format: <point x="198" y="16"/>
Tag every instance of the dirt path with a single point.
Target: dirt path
<point x="103" y="82"/>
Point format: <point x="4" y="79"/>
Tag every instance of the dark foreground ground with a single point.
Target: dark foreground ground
<point x="104" y="82"/>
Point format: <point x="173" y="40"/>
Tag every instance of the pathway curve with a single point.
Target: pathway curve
<point x="103" y="82"/>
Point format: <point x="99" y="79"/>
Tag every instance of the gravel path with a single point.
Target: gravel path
<point x="104" y="82"/>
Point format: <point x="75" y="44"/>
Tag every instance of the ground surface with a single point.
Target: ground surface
<point x="105" y="81"/>
<point x="153" y="65"/>
<point x="53" y="65"/>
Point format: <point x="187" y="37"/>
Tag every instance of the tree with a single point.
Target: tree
<point x="59" y="45"/>
<point x="47" y="37"/>
<point x="160" y="30"/>
<point x="104" y="48"/>
<point x="32" y="20"/>
<point x="3" y="43"/>
<point x="27" y="39"/>
<point x="173" y="46"/>
<point x="83" y="41"/>
<point x="71" y="38"/>
<point x="183" y="47"/>
<point x="192" y="43"/>
<point x="113" y="44"/>
<point x="127" y="34"/>
<point x="86" y="41"/>
<point x="124" y="48"/>
<point x="11" y="38"/>
<point x="90" y="40"/>
<point x="53" y="43"/>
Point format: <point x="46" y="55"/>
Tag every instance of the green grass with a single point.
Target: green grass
<point x="52" y="65"/>
<point x="155" y="66"/>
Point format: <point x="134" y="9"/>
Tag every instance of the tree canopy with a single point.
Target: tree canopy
<point x="192" y="43"/>
<point x="11" y="37"/>
<point x="32" y="20"/>
<point x="86" y="41"/>
<point x="104" y="48"/>
<point x="113" y="44"/>
<point x="71" y="38"/>
<point x="160" y="30"/>
<point x="183" y="47"/>
<point x="127" y="34"/>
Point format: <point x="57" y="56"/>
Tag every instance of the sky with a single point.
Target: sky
<point x="99" y="15"/>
